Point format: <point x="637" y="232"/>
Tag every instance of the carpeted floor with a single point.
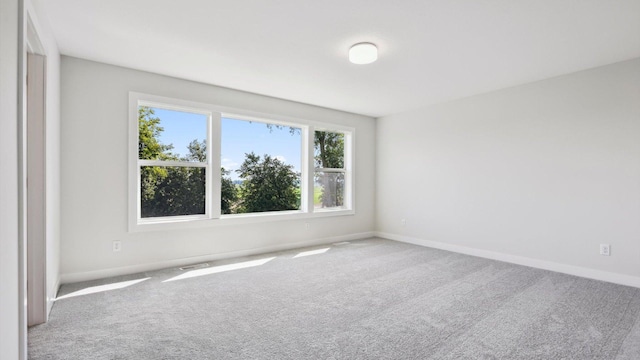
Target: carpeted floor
<point x="370" y="299"/>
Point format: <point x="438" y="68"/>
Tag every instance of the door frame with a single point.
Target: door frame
<point x="35" y="177"/>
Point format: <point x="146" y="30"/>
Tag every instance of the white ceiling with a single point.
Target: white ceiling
<point x="429" y="50"/>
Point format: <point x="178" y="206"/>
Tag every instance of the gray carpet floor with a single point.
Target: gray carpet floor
<point x="369" y="299"/>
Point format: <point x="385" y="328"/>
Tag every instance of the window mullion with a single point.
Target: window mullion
<point x="214" y="181"/>
<point x="335" y="170"/>
<point x="308" y="172"/>
<point x="168" y="163"/>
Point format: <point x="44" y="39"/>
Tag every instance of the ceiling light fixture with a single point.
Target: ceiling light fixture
<point x="363" y="53"/>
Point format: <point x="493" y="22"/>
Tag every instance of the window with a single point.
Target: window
<point x="172" y="161"/>
<point x="193" y="161"/>
<point x="261" y="165"/>
<point x="330" y="171"/>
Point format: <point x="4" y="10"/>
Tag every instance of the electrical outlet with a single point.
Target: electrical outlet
<point x="605" y="249"/>
<point x="403" y="222"/>
<point x="117" y="246"/>
<point x="306" y="226"/>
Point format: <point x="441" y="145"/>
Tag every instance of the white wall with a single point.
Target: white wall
<point x="545" y="171"/>
<point x="9" y="265"/>
<point x="95" y="177"/>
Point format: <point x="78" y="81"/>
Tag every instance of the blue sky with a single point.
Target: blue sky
<point x="238" y="138"/>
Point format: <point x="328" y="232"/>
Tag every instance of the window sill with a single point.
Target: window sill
<point x="234" y="219"/>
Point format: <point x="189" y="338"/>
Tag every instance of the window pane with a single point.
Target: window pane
<point x="172" y="191"/>
<point x="171" y="135"/>
<point x="262" y="162"/>
<point x="329" y="150"/>
<point x="329" y="190"/>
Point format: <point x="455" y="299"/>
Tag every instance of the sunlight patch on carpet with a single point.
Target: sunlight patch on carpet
<point x="219" y="269"/>
<point x="101" y="288"/>
<point x="311" y="252"/>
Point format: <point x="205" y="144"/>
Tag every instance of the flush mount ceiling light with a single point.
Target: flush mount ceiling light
<point x="363" y="53"/>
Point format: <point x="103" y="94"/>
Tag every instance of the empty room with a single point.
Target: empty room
<point x="320" y="180"/>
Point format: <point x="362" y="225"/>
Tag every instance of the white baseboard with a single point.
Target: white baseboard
<point x="133" y="269"/>
<point x="520" y="260"/>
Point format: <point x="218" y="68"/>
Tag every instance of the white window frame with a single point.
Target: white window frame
<point x="347" y="170"/>
<point x="304" y="130"/>
<point x="213" y="216"/>
<point x="212" y="194"/>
